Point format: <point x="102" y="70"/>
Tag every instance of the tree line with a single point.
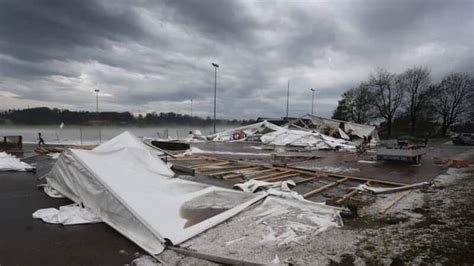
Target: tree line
<point x="47" y="116"/>
<point x="410" y="102"/>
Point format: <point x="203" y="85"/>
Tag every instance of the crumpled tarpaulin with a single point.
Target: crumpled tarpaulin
<point x="281" y="189"/>
<point x="250" y="130"/>
<point x="302" y="138"/>
<point x="66" y="215"/>
<point x="133" y="191"/>
<point x="9" y="162"/>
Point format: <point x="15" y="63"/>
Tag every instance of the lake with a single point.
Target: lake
<point x="90" y="134"/>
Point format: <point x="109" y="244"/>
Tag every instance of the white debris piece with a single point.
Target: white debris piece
<point x="66" y="215"/>
<point x="54" y="155"/>
<point x="250" y="130"/>
<point x="9" y="162"/>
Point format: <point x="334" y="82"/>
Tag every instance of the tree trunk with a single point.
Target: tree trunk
<point x="413" y="126"/>
<point x="389" y="128"/>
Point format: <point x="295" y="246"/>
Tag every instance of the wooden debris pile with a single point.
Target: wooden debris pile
<point x="243" y="171"/>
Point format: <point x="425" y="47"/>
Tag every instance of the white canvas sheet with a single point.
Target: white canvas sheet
<point x="261" y="127"/>
<point x="302" y="138"/>
<point x="131" y="189"/>
<point x="9" y="162"/>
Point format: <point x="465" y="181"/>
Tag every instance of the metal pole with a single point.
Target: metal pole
<point x="288" y="98"/>
<point x="312" y="101"/>
<point x="215" y="93"/>
<point x="215" y="97"/>
<point x="98" y="114"/>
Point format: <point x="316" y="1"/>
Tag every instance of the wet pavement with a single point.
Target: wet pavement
<point x="28" y="241"/>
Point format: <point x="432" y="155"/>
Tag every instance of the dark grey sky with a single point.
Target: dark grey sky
<point x="156" y="55"/>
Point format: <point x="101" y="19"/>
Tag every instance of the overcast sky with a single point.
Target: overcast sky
<point x="156" y="55"/>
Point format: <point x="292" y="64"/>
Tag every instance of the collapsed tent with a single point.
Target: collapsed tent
<point x="253" y="131"/>
<point x="9" y="162"/>
<point x="128" y="187"/>
<point x="333" y="126"/>
<point x="302" y="138"/>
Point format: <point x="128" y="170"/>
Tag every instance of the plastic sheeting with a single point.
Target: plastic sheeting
<point x="131" y="190"/>
<point x="250" y="130"/>
<point x="66" y="215"/>
<point x="303" y="138"/>
<point x="9" y="162"/>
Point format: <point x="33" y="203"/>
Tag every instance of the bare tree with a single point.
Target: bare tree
<point x="451" y="99"/>
<point x="355" y="105"/>
<point x="416" y="83"/>
<point x="387" y="95"/>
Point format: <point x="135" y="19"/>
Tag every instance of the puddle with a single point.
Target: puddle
<point x="195" y="216"/>
<point x="211" y="204"/>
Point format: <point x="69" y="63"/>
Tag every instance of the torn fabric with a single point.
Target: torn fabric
<point x="66" y="215"/>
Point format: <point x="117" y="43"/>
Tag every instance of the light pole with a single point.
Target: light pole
<point x="191" y="108"/>
<point x="215" y="93"/>
<point x="97" y="110"/>
<point x="191" y="120"/>
<point x="288" y="99"/>
<point x="312" y="101"/>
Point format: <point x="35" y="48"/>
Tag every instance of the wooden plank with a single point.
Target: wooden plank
<point x="383" y="182"/>
<point x="305" y="180"/>
<point x="208" y="165"/>
<point x="226" y="168"/>
<point x="273" y="179"/>
<point x="237" y="174"/>
<point x="350" y="194"/>
<point x="231" y="170"/>
<point x="256" y="173"/>
<point x="325" y="187"/>
<point x="395" y="201"/>
<point x="270" y="175"/>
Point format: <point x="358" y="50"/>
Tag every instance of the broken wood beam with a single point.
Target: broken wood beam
<point x="232" y="170"/>
<point x="209" y="164"/>
<point x="236" y="174"/>
<point x="273" y="179"/>
<point x="395" y="201"/>
<point x="325" y="187"/>
<point x="350" y="194"/>
<point x="270" y="175"/>
<point x="305" y="180"/>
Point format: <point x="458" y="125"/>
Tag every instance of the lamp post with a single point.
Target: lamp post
<point x="191" y="120"/>
<point x="97" y="110"/>
<point x="312" y="101"/>
<point x="215" y="93"/>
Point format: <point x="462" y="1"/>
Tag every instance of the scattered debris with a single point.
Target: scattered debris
<point x="9" y="162"/>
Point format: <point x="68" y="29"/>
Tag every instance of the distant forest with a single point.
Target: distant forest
<point x="47" y="116"/>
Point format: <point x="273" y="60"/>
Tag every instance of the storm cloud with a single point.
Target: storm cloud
<point x="149" y="56"/>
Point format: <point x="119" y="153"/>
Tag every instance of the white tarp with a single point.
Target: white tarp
<point x="257" y="128"/>
<point x="9" y="162"/>
<point x="66" y="215"/>
<point x="131" y="190"/>
<point x="302" y="138"/>
<point x="359" y="130"/>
